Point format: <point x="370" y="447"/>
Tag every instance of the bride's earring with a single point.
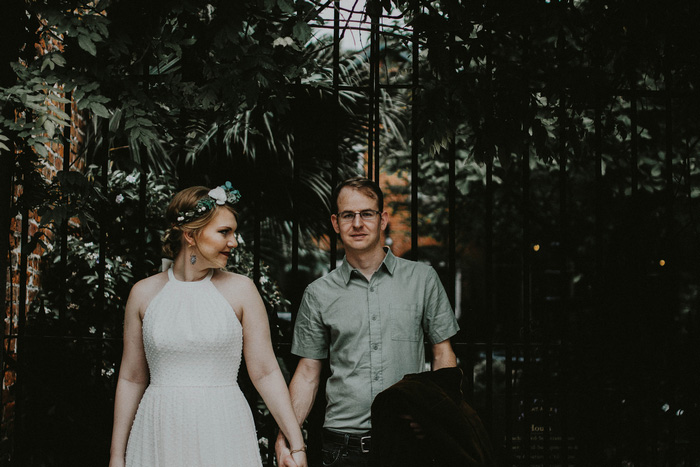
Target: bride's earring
<point x="192" y="246"/>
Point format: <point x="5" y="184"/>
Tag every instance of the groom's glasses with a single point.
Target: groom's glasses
<point x="367" y="215"/>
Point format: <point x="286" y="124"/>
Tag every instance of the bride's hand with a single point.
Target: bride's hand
<point x="300" y="459"/>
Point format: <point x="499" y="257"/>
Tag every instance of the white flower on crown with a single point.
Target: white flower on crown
<point x="218" y="194"/>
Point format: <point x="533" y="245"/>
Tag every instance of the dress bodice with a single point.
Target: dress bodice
<point x="191" y="335"/>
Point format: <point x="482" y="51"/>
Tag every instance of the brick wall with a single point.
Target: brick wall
<point x="52" y="163"/>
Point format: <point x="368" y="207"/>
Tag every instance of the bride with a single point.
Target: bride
<point x="177" y="401"/>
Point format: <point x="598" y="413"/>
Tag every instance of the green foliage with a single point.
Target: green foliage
<point x="155" y="64"/>
<point x="211" y="91"/>
<point x="129" y="229"/>
<point x="497" y="66"/>
<point x="115" y="219"/>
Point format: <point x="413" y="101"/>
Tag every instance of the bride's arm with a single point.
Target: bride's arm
<point x="133" y="377"/>
<point x="263" y="368"/>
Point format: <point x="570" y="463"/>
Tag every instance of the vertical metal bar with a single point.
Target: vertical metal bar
<point x="668" y="76"/>
<point x="669" y="140"/>
<point x="452" y="194"/>
<point x="452" y="254"/>
<point x="511" y="338"/>
<point x="563" y="279"/>
<point x="668" y="276"/>
<point x="688" y="189"/>
<point x="5" y="204"/>
<point x="63" y="305"/>
<point x="451" y="220"/>
<point x="489" y="260"/>
<point x="257" y="229"/>
<point x="104" y="176"/>
<point x="634" y="162"/>
<point x="526" y="295"/>
<point x="525" y="247"/>
<point x="140" y="268"/>
<point x="488" y="292"/>
<point x="370" y="113"/>
<point x="295" y="229"/>
<point x="296" y="280"/>
<point x="524" y="393"/>
<point x="415" y="78"/>
<point x="599" y="220"/>
<point x="63" y="235"/>
<point x="598" y="143"/>
<point x="376" y="132"/>
<point x="256" y="208"/>
<point x="335" y="163"/>
<point x="373" y="9"/>
<point x="88" y="141"/>
<point x="21" y="375"/>
<point x="598" y="214"/>
<point x="6" y="160"/>
<point x="508" y="394"/>
<point x="376" y="39"/>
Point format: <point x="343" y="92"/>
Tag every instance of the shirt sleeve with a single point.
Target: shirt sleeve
<point x="439" y="322"/>
<point x="310" y="339"/>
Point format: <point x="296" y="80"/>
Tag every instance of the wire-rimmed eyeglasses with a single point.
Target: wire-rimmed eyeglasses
<point x="367" y="215"/>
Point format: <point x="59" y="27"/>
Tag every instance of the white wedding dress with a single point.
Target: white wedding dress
<point x="193" y="414"/>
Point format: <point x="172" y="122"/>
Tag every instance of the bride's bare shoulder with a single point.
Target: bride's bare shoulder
<point x="232" y="279"/>
<point x="146" y="288"/>
<point x="236" y="288"/>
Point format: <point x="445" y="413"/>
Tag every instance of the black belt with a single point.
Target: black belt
<point x="361" y="442"/>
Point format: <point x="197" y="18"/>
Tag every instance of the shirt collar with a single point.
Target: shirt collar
<point x="389" y="263"/>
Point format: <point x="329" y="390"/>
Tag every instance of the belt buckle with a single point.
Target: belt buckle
<point x="364" y="439"/>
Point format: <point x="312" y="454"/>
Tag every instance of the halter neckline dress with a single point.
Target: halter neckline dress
<point x="192" y="413"/>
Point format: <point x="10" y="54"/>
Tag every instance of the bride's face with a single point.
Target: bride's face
<point x="216" y="240"/>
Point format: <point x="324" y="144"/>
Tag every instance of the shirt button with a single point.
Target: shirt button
<point x="375" y="346"/>
<point x="371" y="289"/>
<point x="376" y="377"/>
<point x="374" y="318"/>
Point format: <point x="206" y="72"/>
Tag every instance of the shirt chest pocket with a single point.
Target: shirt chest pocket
<point x="405" y="323"/>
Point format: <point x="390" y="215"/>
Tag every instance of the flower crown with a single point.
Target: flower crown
<point x="217" y="196"/>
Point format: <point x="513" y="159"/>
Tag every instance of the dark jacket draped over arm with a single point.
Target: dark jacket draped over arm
<point x="454" y="435"/>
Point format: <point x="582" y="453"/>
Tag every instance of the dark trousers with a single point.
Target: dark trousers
<point x="340" y="450"/>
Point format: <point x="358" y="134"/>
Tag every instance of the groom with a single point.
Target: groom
<point x="369" y="317"/>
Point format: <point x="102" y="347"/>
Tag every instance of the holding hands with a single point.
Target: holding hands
<point x="299" y="459"/>
<point x="287" y="457"/>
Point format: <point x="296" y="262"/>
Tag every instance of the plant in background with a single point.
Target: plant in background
<point x="242" y="261"/>
<point x="129" y="231"/>
<point x="110" y="224"/>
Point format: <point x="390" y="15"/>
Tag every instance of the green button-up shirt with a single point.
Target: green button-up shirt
<point x="372" y="331"/>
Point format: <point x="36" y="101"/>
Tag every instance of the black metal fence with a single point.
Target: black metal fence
<point x="573" y="273"/>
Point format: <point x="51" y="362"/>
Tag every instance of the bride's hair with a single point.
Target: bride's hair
<point x="183" y="201"/>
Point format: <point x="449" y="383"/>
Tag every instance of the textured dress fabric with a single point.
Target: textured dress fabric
<point x="192" y="413"/>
